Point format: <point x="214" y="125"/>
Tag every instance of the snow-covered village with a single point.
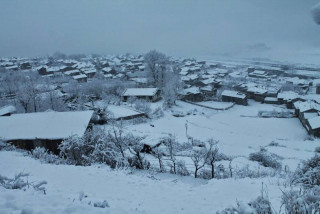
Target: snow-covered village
<point x="154" y="130"/>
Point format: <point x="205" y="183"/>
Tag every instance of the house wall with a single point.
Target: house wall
<point x="51" y="145"/>
<point x="236" y="100"/>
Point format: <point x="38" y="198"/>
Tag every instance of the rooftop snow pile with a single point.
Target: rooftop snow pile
<point x="9" y="109"/>
<point x="44" y="125"/>
<point x="229" y="93"/>
<point x="140" y="92"/>
<point x="122" y="112"/>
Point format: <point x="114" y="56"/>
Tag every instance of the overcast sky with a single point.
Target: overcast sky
<point x="175" y="27"/>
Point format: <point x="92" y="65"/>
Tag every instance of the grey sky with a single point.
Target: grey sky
<point x="177" y="27"/>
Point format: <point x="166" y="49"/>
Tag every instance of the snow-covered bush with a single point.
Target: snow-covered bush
<point x="6" y="146"/>
<point x="182" y="169"/>
<point x="261" y="205"/>
<point x="20" y="181"/>
<point x="317" y="149"/>
<point x="135" y="147"/>
<point x="157" y="113"/>
<point x="266" y="159"/>
<point x="309" y="173"/>
<point x="143" y="106"/>
<point x="303" y="202"/>
<point x="45" y="156"/>
<point x="93" y="147"/>
<point x="205" y="174"/>
<point x="246" y="172"/>
<point x="102" y="204"/>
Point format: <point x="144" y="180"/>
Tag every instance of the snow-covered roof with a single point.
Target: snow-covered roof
<point x="72" y="72"/>
<point x="208" y="81"/>
<point x="229" y="93"/>
<point x="140" y="79"/>
<point x="44" y="125"/>
<point x="314" y="122"/>
<point x="91" y="71"/>
<point x="306" y="106"/>
<point x="192" y="90"/>
<point x="272" y="99"/>
<point x="257" y="90"/>
<point x="80" y="76"/>
<point x="258" y="72"/>
<point x="309" y="115"/>
<point x="107" y="69"/>
<point x="140" y="92"/>
<point x="7" y="110"/>
<point x="287" y="95"/>
<point x="121" y="111"/>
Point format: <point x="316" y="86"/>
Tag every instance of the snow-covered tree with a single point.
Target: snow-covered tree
<point x="172" y="86"/>
<point x="156" y="64"/>
<point x="315" y="11"/>
<point x="172" y="146"/>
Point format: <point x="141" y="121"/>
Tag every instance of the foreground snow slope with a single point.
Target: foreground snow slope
<point x="139" y="192"/>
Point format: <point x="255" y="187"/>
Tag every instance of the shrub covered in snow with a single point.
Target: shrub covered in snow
<point x="143" y="106"/>
<point x="46" y="156"/>
<point x="93" y="147"/>
<point x="20" y="181"/>
<point x="6" y="146"/>
<point x="261" y="205"/>
<point x="309" y="173"/>
<point x="304" y="201"/>
<point x="182" y="169"/>
<point x="266" y="159"/>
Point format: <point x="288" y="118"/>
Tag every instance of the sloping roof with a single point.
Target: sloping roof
<point x="7" y="110"/>
<point x="80" y="76"/>
<point x="122" y="112"/>
<point x="287" y="95"/>
<point x="306" y="106"/>
<point x="314" y="122"/>
<point x="191" y="90"/>
<point x="140" y="92"/>
<point x="44" y="125"/>
<point x="236" y="94"/>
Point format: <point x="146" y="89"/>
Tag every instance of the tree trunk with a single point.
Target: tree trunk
<point x="212" y="170"/>
<point x="196" y="172"/>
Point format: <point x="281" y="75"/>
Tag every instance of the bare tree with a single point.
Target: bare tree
<point x="199" y="157"/>
<point x="117" y="137"/>
<point x="159" y="153"/>
<point x="135" y="146"/>
<point x="212" y="155"/>
<point x="172" y="145"/>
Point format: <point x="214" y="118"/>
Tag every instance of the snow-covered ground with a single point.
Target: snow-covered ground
<point x="238" y="130"/>
<point x="138" y="192"/>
